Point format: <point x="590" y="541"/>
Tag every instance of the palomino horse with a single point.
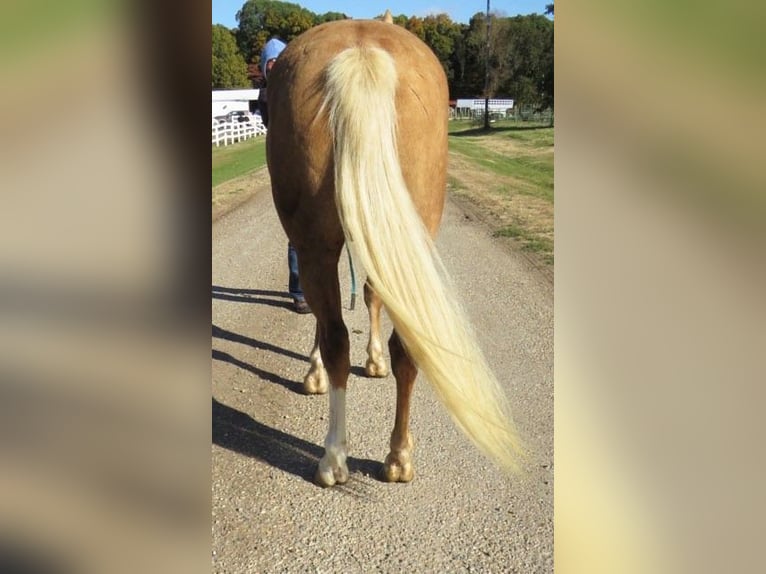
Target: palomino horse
<point x="357" y="152"/>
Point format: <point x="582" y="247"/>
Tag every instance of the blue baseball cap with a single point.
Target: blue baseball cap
<point x="271" y="50"/>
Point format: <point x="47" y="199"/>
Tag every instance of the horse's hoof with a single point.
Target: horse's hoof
<point x="316" y="383"/>
<point x="397" y="469"/>
<point x="376" y="369"/>
<point x="330" y="475"/>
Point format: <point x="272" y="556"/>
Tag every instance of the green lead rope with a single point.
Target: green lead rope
<point x="353" y="279"/>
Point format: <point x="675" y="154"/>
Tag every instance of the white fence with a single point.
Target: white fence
<point x="230" y="132"/>
<point x="473" y="108"/>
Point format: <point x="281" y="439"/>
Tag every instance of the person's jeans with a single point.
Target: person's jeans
<point x="294" y="284"/>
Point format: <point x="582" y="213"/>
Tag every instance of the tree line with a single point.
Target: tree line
<point x="520" y="49"/>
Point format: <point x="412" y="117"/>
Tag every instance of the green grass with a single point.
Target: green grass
<point x="511" y="125"/>
<point x="454" y="183"/>
<point x="529" y="241"/>
<point x="520" y="155"/>
<point x="238" y="159"/>
<point x="535" y="137"/>
<point x="531" y="167"/>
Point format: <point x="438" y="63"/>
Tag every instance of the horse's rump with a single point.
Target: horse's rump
<point x="301" y="133"/>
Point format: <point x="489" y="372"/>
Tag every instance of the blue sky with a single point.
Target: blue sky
<point x="225" y="10"/>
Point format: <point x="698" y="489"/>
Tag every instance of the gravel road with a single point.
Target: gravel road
<point x="460" y="514"/>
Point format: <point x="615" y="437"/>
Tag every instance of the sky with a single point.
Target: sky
<point x="224" y="11"/>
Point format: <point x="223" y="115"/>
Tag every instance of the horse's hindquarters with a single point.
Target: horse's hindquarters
<point x="301" y="169"/>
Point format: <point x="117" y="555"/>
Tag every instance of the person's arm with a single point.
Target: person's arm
<point x="263" y="106"/>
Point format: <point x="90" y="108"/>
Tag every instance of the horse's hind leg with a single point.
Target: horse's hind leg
<point x="315" y="382"/>
<point x="398" y="464"/>
<point x="376" y="363"/>
<point x="334" y="345"/>
<point x="323" y="295"/>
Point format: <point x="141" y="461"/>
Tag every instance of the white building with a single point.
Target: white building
<point x="225" y="101"/>
<point x="473" y="107"/>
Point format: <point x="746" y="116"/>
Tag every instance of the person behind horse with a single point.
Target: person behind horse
<point x="269" y="55"/>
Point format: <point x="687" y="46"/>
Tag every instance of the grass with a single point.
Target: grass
<point x="454" y="183"/>
<point x="529" y="241"/>
<point x="536" y="172"/>
<point x="508" y="173"/>
<point x="526" y="164"/>
<point x="238" y="159"/>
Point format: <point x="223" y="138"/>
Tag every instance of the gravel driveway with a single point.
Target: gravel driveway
<point x="460" y="514"/>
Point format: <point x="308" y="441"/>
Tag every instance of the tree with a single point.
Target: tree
<point x="330" y="16"/>
<point x="439" y="32"/>
<point x="400" y="20"/>
<point x="228" y="66"/>
<point x="520" y="59"/>
<point x="475" y="57"/>
<point x="459" y="64"/>
<point x="547" y="75"/>
<point x="529" y="58"/>
<point x="260" y="20"/>
<point x="442" y="34"/>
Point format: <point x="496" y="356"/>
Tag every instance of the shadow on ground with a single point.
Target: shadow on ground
<point x="219" y="355"/>
<point x="258" y="296"/>
<point x="239" y="432"/>
<point x="265" y="375"/>
<point x="221" y="333"/>
<point x="480" y="131"/>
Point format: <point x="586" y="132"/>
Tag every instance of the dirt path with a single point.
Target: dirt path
<point x="459" y="514"/>
<point x="231" y="194"/>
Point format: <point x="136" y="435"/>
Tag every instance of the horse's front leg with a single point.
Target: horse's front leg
<point x="315" y="382"/>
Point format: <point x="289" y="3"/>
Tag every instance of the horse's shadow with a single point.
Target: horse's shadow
<point x="239" y="432"/>
<point x="219" y="355"/>
<point x="221" y="333"/>
<point x="258" y="296"/>
<point x="265" y="375"/>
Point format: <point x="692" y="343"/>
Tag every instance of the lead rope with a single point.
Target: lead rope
<point x="353" y="279"/>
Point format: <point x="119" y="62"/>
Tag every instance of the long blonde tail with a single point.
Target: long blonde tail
<point x="389" y="238"/>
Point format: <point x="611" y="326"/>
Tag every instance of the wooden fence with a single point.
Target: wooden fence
<point x="230" y="132"/>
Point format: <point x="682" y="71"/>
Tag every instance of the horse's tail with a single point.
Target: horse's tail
<point x="390" y="239"/>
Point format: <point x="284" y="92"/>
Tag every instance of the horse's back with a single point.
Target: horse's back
<point x="300" y="142"/>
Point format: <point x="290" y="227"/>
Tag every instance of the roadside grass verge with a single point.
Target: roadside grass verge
<point x="237" y="173"/>
<point x="518" y="150"/>
<point x="531" y="242"/>
<point x="506" y="175"/>
<point x="536" y="173"/>
<point x="238" y="159"/>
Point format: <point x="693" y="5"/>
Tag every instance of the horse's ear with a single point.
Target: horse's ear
<point x="387" y="18"/>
